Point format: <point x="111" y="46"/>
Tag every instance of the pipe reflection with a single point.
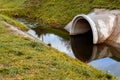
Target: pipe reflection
<point x="85" y="51"/>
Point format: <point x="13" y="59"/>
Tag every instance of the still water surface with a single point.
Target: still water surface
<point x="102" y="56"/>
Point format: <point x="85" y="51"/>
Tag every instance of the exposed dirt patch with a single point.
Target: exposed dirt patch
<point x="15" y="30"/>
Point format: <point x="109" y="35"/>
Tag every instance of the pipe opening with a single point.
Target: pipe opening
<point x="82" y="27"/>
<point x="82" y="24"/>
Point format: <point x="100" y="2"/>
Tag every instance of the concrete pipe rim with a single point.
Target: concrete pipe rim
<point x="91" y="23"/>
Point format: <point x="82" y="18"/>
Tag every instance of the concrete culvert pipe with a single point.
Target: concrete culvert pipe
<point x="105" y="25"/>
<point x="82" y="24"/>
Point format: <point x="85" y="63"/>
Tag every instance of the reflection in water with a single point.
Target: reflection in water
<point x="82" y="46"/>
<point x="102" y="56"/>
<point x="54" y="40"/>
<point x="87" y="52"/>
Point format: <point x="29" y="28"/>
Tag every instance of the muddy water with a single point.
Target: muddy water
<point x="102" y="56"/>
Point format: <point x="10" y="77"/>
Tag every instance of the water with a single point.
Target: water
<point x="102" y="56"/>
<point x="54" y="40"/>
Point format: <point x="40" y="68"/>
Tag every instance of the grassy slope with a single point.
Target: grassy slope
<point x="13" y="22"/>
<point x="57" y="13"/>
<point x="29" y="60"/>
<point x="21" y="58"/>
<point x="10" y="4"/>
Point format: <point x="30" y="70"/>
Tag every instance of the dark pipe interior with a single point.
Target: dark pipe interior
<point x="82" y="45"/>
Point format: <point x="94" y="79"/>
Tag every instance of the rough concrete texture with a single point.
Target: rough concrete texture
<point x="105" y="25"/>
<point x="114" y="32"/>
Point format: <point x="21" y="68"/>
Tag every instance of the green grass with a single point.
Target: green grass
<point x="23" y="59"/>
<point x="10" y="4"/>
<point x="13" y="22"/>
<point x="28" y="60"/>
<point x="56" y="13"/>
